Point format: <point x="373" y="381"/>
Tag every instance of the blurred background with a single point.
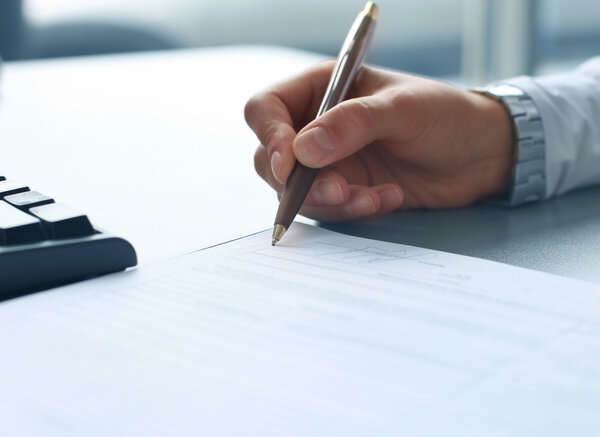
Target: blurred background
<point x="469" y="41"/>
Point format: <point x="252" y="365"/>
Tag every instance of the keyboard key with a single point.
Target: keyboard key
<point x="8" y="187"/>
<point x="60" y="221"/>
<point x="17" y="227"/>
<point x="28" y="199"/>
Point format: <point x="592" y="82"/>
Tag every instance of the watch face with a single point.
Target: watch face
<point x="506" y="91"/>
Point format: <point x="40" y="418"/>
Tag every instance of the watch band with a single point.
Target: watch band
<point x="529" y="172"/>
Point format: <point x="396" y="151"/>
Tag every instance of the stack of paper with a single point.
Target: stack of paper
<point x="323" y="335"/>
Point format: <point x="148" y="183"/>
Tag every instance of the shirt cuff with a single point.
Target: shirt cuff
<point x="569" y="106"/>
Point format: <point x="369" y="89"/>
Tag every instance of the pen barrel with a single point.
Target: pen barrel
<point x="348" y="63"/>
<point x="296" y="189"/>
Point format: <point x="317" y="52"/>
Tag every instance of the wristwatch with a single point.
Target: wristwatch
<point x="529" y="171"/>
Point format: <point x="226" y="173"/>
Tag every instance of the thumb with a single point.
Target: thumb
<point x="342" y="131"/>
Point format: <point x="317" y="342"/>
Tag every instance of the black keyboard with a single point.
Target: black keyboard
<point x="44" y="243"/>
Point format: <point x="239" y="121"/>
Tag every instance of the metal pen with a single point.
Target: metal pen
<point x="348" y="64"/>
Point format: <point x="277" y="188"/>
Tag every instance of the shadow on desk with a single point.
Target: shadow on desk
<point x="560" y="236"/>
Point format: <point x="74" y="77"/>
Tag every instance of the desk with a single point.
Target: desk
<point x="154" y="148"/>
<point x="560" y="236"/>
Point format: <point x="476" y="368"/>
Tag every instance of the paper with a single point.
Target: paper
<point x="322" y="335"/>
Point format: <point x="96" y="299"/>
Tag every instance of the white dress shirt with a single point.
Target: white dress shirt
<point x="569" y="105"/>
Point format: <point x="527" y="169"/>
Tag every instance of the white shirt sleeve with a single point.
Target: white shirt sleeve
<point x="569" y="106"/>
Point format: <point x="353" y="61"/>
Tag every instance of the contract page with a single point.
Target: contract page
<point x="323" y="335"/>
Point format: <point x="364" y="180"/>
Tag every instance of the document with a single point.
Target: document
<point x="323" y="335"/>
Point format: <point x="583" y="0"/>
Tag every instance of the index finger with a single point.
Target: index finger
<point x="276" y="113"/>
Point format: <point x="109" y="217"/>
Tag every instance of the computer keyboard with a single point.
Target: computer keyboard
<point x="44" y="243"/>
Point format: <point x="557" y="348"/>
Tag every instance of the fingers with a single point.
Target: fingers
<point x="329" y="188"/>
<point x="277" y="134"/>
<point x="331" y="197"/>
<point x="345" y="129"/>
<point x="275" y="114"/>
<point x="365" y="203"/>
<point x="263" y="168"/>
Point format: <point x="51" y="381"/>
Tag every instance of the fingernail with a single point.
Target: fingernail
<point x="361" y="205"/>
<point x="391" y="196"/>
<point x="328" y="193"/>
<point x="276" y="165"/>
<point x="315" y="144"/>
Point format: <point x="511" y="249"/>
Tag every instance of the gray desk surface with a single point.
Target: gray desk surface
<point x="176" y="140"/>
<point x="560" y="236"/>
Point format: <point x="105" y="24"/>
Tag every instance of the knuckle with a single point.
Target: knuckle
<point x="356" y="114"/>
<point x="326" y="65"/>
<point x="269" y="137"/>
<point x="259" y="160"/>
<point x="249" y="108"/>
<point x="252" y="107"/>
<point x="363" y="113"/>
<point x="407" y="106"/>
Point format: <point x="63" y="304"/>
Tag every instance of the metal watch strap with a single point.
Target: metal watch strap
<point x="529" y="174"/>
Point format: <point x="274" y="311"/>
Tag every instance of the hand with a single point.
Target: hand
<point x="399" y="141"/>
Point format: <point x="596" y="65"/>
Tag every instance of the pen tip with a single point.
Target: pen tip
<point x="278" y="232"/>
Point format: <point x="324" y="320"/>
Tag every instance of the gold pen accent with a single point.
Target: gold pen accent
<point x="278" y="232"/>
<point x="370" y="10"/>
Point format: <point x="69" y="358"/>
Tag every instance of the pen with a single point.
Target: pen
<point x="348" y="64"/>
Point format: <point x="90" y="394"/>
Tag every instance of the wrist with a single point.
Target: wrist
<point x="497" y="139"/>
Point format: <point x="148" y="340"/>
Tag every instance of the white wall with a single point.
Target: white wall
<point x="304" y="23"/>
